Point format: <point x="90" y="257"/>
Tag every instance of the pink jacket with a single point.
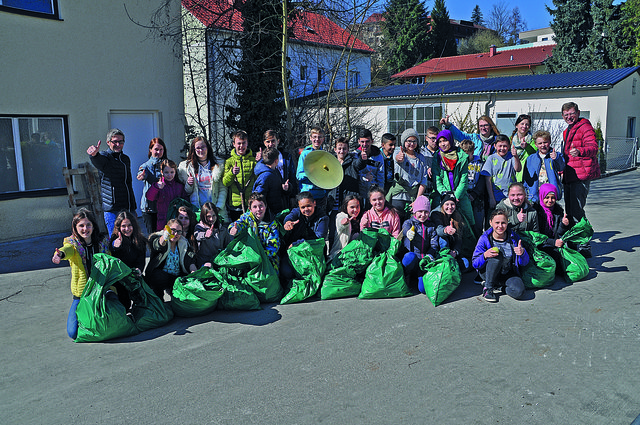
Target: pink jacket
<point x="171" y="190"/>
<point x="584" y="167"/>
<point x="387" y="219"/>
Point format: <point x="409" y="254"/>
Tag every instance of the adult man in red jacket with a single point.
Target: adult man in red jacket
<point x="581" y="157"/>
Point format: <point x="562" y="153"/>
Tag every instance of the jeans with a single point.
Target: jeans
<point x="72" y="319"/>
<point x="494" y="279"/>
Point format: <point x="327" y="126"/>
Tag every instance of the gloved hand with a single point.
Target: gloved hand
<point x="411" y="233"/>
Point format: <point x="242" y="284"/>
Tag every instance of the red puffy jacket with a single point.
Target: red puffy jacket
<point x="584" y="167"/>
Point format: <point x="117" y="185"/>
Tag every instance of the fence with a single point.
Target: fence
<point x="618" y="153"/>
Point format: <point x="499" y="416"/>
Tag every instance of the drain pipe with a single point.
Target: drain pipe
<point x="490" y="104"/>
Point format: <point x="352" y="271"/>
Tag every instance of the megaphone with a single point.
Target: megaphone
<point x="323" y="169"/>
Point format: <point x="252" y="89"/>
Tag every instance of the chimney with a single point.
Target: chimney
<point x="492" y="50"/>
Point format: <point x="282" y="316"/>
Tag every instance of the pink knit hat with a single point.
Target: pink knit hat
<point x="421" y="204"/>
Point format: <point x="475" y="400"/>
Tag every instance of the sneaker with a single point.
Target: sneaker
<point x="489" y="296"/>
<point x="478" y="280"/>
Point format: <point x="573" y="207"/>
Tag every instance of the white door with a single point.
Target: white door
<point x="139" y="128"/>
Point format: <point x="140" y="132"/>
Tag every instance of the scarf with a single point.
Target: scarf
<point x="449" y="159"/>
<point x="487" y="146"/>
<point x="545" y="189"/>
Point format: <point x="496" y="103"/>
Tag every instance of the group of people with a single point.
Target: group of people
<point x="470" y="193"/>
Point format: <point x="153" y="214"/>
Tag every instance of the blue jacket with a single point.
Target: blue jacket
<point x="152" y="173"/>
<point x="531" y="172"/>
<point x="374" y="165"/>
<point x="425" y="241"/>
<point x="308" y="228"/>
<point x="269" y="183"/>
<point x="486" y="241"/>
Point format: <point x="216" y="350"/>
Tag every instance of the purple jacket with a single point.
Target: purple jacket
<point x="171" y="190"/>
<point x="486" y="241"/>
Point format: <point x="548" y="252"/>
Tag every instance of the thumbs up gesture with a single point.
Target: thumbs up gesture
<point x="235" y="170"/>
<point x="259" y="155"/>
<point x="57" y="256"/>
<point x="234" y="230"/>
<point x="285" y="186"/>
<point x="514" y="150"/>
<point x="288" y="226"/>
<point x="518" y="249"/>
<point x="161" y="183"/>
<point x="94" y="149"/>
<point x="400" y="156"/>
<point x="117" y="241"/>
<point x="450" y="229"/>
<point x="363" y="155"/>
<point x="141" y="174"/>
<point x="565" y="220"/>
<point x="553" y="154"/>
<point x="521" y="216"/>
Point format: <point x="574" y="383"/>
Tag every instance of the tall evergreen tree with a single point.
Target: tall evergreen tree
<point x="259" y="96"/>
<point x="443" y="40"/>
<point x="476" y="16"/>
<point x="631" y="28"/>
<point x="406" y="34"/>
<point x="607" y="37"/>
<point x="572" y="25"/>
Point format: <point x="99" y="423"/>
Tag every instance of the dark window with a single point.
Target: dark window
<point x="41" y="8"/>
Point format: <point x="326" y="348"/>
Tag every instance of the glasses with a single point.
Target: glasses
<point x="176" y="231"/>
<point x="117" y="142"/>
<point x="484" y="126"/>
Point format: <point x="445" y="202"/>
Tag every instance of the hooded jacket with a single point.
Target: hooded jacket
<point x="241" y="183"/>
<point x="269" y="183"/>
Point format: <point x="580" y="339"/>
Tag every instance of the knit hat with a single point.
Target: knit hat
<point x="447" y="135"/>
<point x="421" y="203"/>
<point x="409" y="132"/>
<point x="447" y="196"/>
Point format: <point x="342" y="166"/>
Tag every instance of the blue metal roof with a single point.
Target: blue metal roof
<point x="570" y="80"/>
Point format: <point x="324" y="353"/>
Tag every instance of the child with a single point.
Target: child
<point x="475" y="191"/>
<point x="210" y="237"/>
<point x="316" y="137"/>
<point x="429" y="150"/>
<point x="380" y="215"/>
<point x="388" y="147"/>
<point x="552" y="221"/>
<point x="171" y="257"/>
<point x="411" y="172"/>
<point x="188" y="221"/>
<point x="286" y="166"/>
<point x="454" y="233"/>
<point x="451" y="167"/>
<point x="238" y="174"/>
<point x="347" y="223"/>
<point x="128" y="243"/>
<point x="369" y="163"/>
<point x="498" y="257"/>
<point x="306" y="222"/>
<point x="269" y="181"/>
<point x="201" y="174"/>
<point x="543" y="167"/>
<point x="266" y="230"/>
<point x="420" y="238"/>
<point x="500" y="170"/>
<point x="78" y="249"/>
<point x="150" y="172"/>
<point x="166" y="190"/>
<point x="348" y="186"/>
<point x="521" y="214"/>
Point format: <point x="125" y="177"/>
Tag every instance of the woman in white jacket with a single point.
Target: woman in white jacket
<point x="202" y="174"/>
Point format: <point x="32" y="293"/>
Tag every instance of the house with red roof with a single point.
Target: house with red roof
<point x="321" y="55"/>
<point x="497" y="62"/>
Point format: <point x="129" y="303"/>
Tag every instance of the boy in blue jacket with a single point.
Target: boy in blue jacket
<point x="269" y="181"/>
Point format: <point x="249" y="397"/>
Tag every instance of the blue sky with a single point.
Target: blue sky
<point x="533" y="11"/>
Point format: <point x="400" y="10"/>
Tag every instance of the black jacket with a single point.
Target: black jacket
<point x="115" y="181"/>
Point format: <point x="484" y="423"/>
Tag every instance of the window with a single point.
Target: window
<point x="33" y="151"/>
<point x="631" y="127"/>
<point x="506" y="122"/>
<point x="303" y="73"/>
<point x="419" y="117"/>
<point x="320" y="75"/>
<point x="354" y="79"/>
<point x="41" y="8"/>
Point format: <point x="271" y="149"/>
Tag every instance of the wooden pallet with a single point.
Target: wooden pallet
<point x="83" y="188"/>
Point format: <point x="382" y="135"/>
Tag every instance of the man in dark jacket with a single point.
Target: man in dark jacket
<point x="115" y="177"/>
<point x="581" y="158"/>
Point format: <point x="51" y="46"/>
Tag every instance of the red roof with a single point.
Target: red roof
<point x="375" y="17"/>
<point x="306" y="27"/>
<point x="480" y="61"/>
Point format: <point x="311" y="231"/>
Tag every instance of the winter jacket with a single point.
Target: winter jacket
<point x="289" y="173"/>
<point x="159" y="254"/>
<point x="172" y="189"/>
<point x="530" y="222"/>
<point x="531" y="173"/>
<point x="425" y="241"/>
<point x="486" y="146"/>
<point x="209" y="247"/>
<point x="241" y="183"/>
<point x="486" y="241"/>
<point x="557" y="229"/>
<point x="374" y="165"/>
<point x="269" y="183"/>
<point x="115" y="181"/>
<point x="387" y="219"/>
<point x="218" y="194"/>
<point x="584" y="167"/>
<point x="130" y="254"/>
<point x="267" y="231"/>
<point x="409" y="175"/>
<point x="75" y="253"/>
<point x="459" y="176"/>
<point x="308" y="228"/>
<point x="304" y="183"/>
<point x="152" y="173"/>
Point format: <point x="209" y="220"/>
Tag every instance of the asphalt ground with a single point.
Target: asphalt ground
<point x="568" y="354"/>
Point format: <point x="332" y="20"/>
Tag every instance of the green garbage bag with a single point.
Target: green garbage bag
<point x="237" y="295"/>
<point x="197" y="294"/>
<point x="246" y="257"/>
<point x="575" y="266"/>
<point x="308" y="262"/>
<point x="101" y="318"/>
<point x="380" y="241"/>
<point x="384" y="279"/>
<point x="442" y="276"/>
<point x="356" y="255"/>
<point x="340" y="282"/>
<point x="541" y="270"/>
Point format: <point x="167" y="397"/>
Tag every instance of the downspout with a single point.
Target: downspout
<point x="491" y="102"/>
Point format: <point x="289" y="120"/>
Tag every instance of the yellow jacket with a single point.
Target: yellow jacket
<point x="75" y="253"/>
